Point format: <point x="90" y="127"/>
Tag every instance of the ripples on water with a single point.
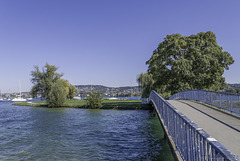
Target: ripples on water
<point x="28" y="133"/>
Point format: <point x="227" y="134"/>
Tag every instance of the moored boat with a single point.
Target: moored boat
<point x="19" y="99"/>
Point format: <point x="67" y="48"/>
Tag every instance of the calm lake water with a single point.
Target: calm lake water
<point x="30" y="133"/>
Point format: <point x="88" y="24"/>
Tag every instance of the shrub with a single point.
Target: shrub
<point x="94" y="100"/>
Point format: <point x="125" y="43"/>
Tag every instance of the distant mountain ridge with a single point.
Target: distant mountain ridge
<point x="102" y="86"/>
<point x="109" y="90"/>
<point x="234" y="85"/>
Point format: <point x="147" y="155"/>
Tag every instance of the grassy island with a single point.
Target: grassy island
<point x="106" y="104"/>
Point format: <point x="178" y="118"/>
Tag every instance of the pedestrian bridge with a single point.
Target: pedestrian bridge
<point x="201" y="131"/>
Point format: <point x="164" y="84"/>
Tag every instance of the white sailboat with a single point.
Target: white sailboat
<point x="19" y="99"/>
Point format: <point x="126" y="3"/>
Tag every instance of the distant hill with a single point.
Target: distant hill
<point x="110" y="91"/>
<point x="235" y="85"/>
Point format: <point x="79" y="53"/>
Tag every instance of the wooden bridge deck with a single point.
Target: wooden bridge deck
<point x="224" y="128"/>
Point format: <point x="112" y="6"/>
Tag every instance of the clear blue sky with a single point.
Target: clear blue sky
<point x="104" y="42"/>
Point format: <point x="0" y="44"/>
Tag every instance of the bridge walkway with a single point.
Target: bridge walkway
<point x="224" y="128"/>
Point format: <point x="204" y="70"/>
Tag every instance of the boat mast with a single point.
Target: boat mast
<point x="20" y="89"/>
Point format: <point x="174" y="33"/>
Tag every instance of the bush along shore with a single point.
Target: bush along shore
<point x="106" y="104"/>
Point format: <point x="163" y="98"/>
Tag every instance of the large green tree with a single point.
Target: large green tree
<point x="49" y="85"/>
<point x="188" y="62"/>
<point x="44" y="80"/>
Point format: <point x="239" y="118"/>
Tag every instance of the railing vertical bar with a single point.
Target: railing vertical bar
<point x="199" y="147"/>
<point x="211" y="98"/>
<point x="220" y="100"/>
<point x="188" y="142"/>
<point x="209" y="152"/>
<point x="205" y="150"/>
<point x="175" y="127"/>
<point x="238" y="104"/>
<point x="192" y="143"/>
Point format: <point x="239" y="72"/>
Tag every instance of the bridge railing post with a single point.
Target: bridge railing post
<point x="211" y="98"/>
<point x="188" y="142"/>
<point x="238" y="109"/>
<point x="220" y="100"/>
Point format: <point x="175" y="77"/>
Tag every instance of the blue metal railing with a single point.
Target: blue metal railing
<point x="193" y="143"/>
<point x="226" y="101"/>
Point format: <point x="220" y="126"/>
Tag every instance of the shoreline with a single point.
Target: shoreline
<point x="109" y="106"/>
<point x="125" y="107"/>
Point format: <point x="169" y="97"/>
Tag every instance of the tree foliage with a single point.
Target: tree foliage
<point x="57" y="94"/>
<point x="65" y="85"/>
<point x="233" y="90"/>
<point x="49" y="85"/>
<point x="94" y="100"/>
<point x="43" y="81"/>
<point x="183" y="63"/>
<point x="72" y="92"/>
<point x="146" y="82"/>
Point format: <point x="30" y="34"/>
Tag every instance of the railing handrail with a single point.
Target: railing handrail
<point x="188" y="136"/>
<point x="226" y="101"/>
<point x="235" y="94"/>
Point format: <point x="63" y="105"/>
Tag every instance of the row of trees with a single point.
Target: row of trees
<point x="184" y="63"/>
<point x="49" y="84"/>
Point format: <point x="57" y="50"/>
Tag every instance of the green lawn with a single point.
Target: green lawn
<point x="107" y="104"/>
<point x="68" y="103"/>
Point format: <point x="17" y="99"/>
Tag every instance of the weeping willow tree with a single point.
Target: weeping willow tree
<point x="146" y="83"/>
<point x="49" y="84"/>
